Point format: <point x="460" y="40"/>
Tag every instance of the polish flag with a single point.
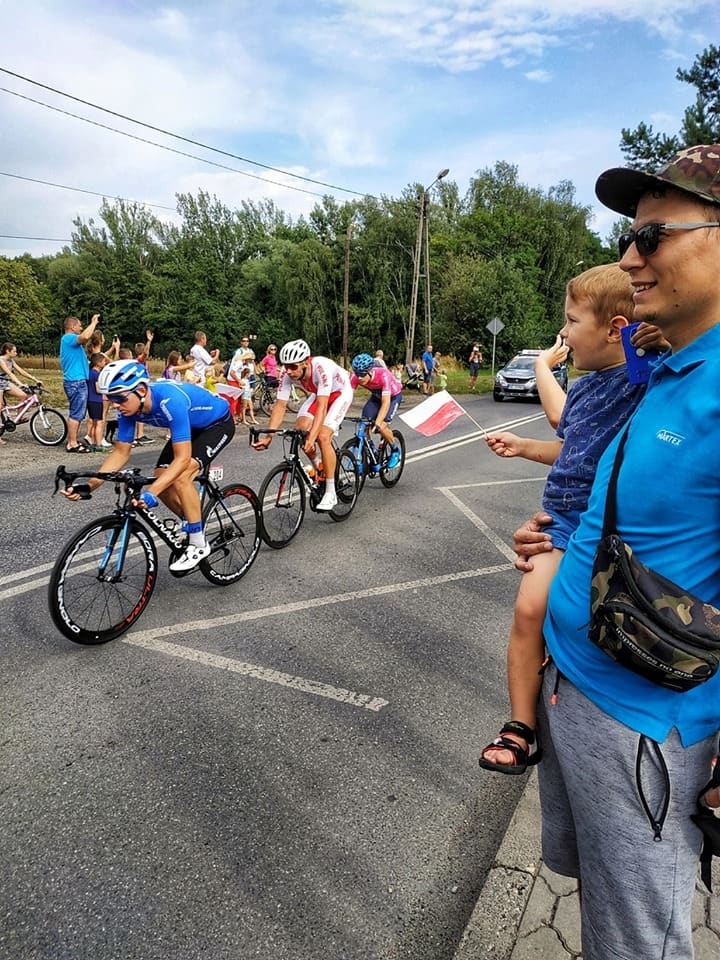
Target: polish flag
<point x="434" y="414"/>
<point x="228" y="391"/>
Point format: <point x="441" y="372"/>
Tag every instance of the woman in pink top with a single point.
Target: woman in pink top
<point x="269" y="365"/>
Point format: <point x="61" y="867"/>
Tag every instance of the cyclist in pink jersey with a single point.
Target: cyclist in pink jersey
<point x="385" y="397"/>
<point x="329" y="398"/>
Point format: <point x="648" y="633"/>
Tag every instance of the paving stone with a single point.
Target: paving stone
<point x="714" y="912"/>
<point x="493" y="927"/>
<point x="543" y="944"/>
<point x="707" y="944"/>
<point x="540" y="908"/>
<point x="699" y="908"/>
<point x="560" y="886"/>
<point x="567" y="921"/>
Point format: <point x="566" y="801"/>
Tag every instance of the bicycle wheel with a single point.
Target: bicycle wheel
<point x="282" y="503"/>
<point x="362" y="462"/>
<point x="232" y="529"/>
<point x="390" y="476"/>
<point x="346" y="485"/>
<point x="103" y="580"/>
<point x="48" y="426"/>
<point x="267" y="400"/>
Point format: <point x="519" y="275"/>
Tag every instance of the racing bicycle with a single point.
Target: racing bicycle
<point x="373" y="459"/>
<point x="104" y="577"/>
<point x="48" y="426"/>
<point x="288" y="487"/>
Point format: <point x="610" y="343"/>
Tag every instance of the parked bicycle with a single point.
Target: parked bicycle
<point x="105" y="576"/>
<point x="48" y="426"/>
<point x="373" y="459"/>
<point x="264" y="396"/>
<point x="289" y="486"/>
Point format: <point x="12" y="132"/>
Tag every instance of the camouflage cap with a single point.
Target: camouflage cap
<point x="695" y="170"/>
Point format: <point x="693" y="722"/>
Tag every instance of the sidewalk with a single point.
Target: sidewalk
<point x="526" y="912"/>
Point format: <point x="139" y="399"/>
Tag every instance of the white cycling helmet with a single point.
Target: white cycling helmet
<point x="294" y="352"/>
<point x="121" y="376"/>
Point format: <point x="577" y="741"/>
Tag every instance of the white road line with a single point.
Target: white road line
<point x="30" y="572"/>
<point x="314" y="687"/>
<point x="152" y="639"/>
<point x="504" y="549"/>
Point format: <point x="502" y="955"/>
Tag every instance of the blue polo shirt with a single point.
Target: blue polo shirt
<point x="668" y="510"/>
<point x="73" y="359"/>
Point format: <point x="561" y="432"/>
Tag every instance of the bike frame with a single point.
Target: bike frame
<point x="366" y="442"/>
<point x="17" y="412"/>
<point x="291" y="458"/>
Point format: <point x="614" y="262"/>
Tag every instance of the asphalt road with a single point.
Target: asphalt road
<point x="285" y="768"/>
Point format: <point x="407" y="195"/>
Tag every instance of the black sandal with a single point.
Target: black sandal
<point x="523" y="758"/>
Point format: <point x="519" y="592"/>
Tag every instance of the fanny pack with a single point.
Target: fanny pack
<point x="644" y="621"/>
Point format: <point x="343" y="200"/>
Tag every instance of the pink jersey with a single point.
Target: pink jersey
<point x="381" y="381"/>
<point x="325" y="379"/>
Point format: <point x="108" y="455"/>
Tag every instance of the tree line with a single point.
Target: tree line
<point x="503" y="250"/>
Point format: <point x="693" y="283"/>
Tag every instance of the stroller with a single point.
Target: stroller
<point x="413" y="377"/>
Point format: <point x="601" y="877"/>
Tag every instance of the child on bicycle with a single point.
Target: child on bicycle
<point x="597" y="306"/>
<point x="329" y="398"/>
<point x="200" y="426"/>
<point x="385" y="397"/>
<point x="9" y="382"/>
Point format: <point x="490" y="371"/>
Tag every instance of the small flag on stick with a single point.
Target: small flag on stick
<point x="434" y="414"/>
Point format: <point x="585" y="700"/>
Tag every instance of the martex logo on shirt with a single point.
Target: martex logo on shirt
<point x="667" y="436"/>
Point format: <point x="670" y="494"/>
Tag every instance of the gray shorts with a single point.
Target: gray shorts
<point x="636" y="892"/>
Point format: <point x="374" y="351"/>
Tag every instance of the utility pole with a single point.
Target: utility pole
<point x="346" y="295"/>
<point x="421" y="256"/>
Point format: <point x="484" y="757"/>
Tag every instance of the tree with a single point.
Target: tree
<point x="23" y="314"/>
<point x="646" y="150"/>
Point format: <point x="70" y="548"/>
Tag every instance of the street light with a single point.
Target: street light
<point x="421" y="239"/>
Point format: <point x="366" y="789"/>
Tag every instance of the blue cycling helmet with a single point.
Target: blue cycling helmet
<point x="362" y="363"/>
<point x="121" y="376"/>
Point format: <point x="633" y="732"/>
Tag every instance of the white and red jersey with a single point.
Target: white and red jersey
<point x="324" y="378"/>
<point x="381" y="381"/>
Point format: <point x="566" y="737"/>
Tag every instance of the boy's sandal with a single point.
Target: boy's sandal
<point x="522" y="756"/>
<point x="78" y="448"/>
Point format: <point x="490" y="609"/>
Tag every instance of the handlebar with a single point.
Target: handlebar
<point x="256" y="433"/>
<point x="131" y="478"/>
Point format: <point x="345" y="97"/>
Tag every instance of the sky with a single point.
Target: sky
<point x="363" y="95"/>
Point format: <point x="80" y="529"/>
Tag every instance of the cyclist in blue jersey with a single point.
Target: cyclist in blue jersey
<point x="200" y="425"/>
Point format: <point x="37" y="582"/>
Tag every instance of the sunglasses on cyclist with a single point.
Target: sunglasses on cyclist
<point x="647" y="239"/>
<point x="119" y="398"/>
<point x="292" y="366"/>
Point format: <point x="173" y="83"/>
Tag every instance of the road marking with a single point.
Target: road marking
<point x="504" y="549"/>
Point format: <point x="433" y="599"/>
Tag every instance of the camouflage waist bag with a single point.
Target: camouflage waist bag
<point x="643" y="620"/>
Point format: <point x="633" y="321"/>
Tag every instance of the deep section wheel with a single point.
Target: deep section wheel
<point x="103" y="580"/>
<point x="389" y="476"/>
<point x="346" y="485"/>
<point x="282" y="504"/>
<point x="232" y="530"/>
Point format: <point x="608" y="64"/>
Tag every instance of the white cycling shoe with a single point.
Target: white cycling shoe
<point x="328" y="502"/>
<point x="189" y="558"/>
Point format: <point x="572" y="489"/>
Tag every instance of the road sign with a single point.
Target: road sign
<point x="495" y="326"/>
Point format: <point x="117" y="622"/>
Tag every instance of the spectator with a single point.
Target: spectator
<point x="475" y="360"/>
<point x="96" y="405"/>
<point x="75" y="371"/>
<point x="175" y="365"/>
<point x="142" y="355"/>
<point x="379" y="359"/>
<point x="269" y="366"/>
<point x="9" y="383"/>
<point x="625" y="758"/>
<point x="247" y="412"/>
<point x="427" y="360"/>
<point x="96" y="343"/>
<point x="202" y="358"/>
<point x="243" y="357"/>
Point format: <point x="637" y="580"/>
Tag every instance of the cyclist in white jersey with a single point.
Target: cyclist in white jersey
<point x="329" y="398"/>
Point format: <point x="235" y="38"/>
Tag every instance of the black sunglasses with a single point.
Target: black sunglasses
<point x="647" y="239"/>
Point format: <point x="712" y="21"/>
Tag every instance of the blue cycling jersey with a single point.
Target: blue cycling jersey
<point x="182" y="408"/>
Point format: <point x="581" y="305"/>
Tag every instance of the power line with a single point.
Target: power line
<point x="162" y="146"/>
<point x="92" y="193"/>
<point x="176" y="136"/>
<point x="12" y="236"/>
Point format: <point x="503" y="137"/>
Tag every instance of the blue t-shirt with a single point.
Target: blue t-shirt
<point x="597" y="407"/>
<point x="93" y="395"/>
<point x="668" y="510"/>
<point x="73" y="359"/>
<point x="182" y="408"/>
<point x="427" y="360"/>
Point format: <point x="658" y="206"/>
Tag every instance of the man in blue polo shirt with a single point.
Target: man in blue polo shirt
<point x="76" y="372"/>
<point x="624" y="759"/>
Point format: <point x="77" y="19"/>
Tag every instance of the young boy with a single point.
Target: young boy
<point x="96" y="403"/>
<point x="142" y="355"/>
<point x="598" y="304"/>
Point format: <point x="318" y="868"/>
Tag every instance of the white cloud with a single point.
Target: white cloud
<point x="539" y="76"/>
